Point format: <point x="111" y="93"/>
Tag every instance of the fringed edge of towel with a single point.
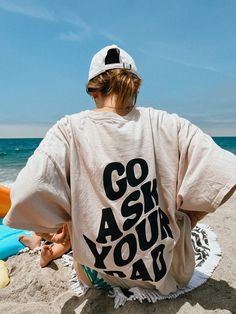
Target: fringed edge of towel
<point x="76" y="284"/>
<point x="202" y="273"/>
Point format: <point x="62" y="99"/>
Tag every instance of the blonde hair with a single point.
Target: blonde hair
<point x="121" y="82"/>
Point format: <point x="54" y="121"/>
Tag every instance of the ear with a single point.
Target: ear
<point x="94" y="95"/>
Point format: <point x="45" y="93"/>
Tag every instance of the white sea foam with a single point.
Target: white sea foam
<point x="8" y="176"/>
<point x="7" y="183"/>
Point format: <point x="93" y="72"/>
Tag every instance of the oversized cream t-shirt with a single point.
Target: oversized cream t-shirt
<point x="119" y="182"/>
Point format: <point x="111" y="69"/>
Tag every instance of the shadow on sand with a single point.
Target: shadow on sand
<point x="210" y="296"/>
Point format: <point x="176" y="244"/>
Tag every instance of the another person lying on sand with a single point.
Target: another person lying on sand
<point x="52" y="251"/>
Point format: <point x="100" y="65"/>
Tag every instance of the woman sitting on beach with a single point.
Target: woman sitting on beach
<point x="61" y="244"/>
<point x="129" y="182"/>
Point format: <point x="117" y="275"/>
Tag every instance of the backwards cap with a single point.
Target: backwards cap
<point x="111" y="57"/>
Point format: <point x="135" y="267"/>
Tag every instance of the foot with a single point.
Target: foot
<point x="29" y="241"/>
<point x="46" y="255"/>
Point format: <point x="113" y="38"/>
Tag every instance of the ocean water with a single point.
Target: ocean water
<point x="14" y="154"/>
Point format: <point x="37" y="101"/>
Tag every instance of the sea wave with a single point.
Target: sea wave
<point x="8" y="176"/>
<point x="7" y="183"/>
<point x="24" y="149"/>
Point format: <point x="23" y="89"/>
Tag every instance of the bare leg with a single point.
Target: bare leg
<point x="82" y="275"/>
<point x="30" y="241"/>
<point x="49" y="253"/>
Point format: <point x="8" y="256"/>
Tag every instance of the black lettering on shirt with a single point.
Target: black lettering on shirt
<point x="128" y="210"/>
<point x="150" y="195"/>
<point x="148" y="225"/>
<point x="159" y="265"/>
<point x="99" y="257"/>
<point x="141" y="229"/>
<point x="165" y="225"/>
<point x="111" y="193"/>
<point x="112" y="228"/>
<point x="130" y="240"/>
<point x="115" y="273"/>
<point x="140" y="271"/>
<point x="130" y="171"/>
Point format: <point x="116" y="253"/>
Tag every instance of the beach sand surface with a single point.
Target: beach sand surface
<point x="33" y="290"/>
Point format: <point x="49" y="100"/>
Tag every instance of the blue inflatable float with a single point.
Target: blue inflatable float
<point x="9" y="244"/>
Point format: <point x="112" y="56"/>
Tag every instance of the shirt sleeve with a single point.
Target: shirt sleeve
<point x="40" y="196"/>
<point x="206" y="174"/>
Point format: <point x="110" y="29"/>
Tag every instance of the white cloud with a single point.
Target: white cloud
<point x="111" y="37"/>
<point x="33" y="10"/>
<point x="80" y="29"/>
<point x="27" y="9"/>
<point x="73" y="19"/>
<point x="70" y="36"/>
<point x="179" y="61"/>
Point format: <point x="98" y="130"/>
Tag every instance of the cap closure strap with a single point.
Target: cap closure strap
<point x="127" y="66"/>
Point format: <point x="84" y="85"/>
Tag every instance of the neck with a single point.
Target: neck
<point x="121" y="112"/>
<point x="108" y="103"/>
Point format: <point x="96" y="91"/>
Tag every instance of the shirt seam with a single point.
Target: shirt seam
<point x="57" y="169"/>
<point x="36" y="228"/>
<point x="223" y="192"/>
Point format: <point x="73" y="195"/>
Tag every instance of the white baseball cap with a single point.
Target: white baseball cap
<point x="111" y="57"/>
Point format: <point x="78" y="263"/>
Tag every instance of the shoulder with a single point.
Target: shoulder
<point x="170" y="125"/>
<point x="157" y="113"/>
<point x="79" y="116"/>
<point x="161" y="117"/>
<point x="62" y="129"/>
<point x="56" y="143"/>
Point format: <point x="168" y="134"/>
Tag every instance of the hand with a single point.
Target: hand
<point x="194" y="216"/>
<point x="61" y="236"/>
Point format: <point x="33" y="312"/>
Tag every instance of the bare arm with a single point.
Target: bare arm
<point x="228" y="195"/>
<point x="61" y="236"/>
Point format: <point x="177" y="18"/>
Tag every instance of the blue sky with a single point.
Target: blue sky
<point x="185" y="51"/>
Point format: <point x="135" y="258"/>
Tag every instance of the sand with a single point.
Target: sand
<point x="38" y="291"/>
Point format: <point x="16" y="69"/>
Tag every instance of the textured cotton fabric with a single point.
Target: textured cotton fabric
<point x="119" y="183"/>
